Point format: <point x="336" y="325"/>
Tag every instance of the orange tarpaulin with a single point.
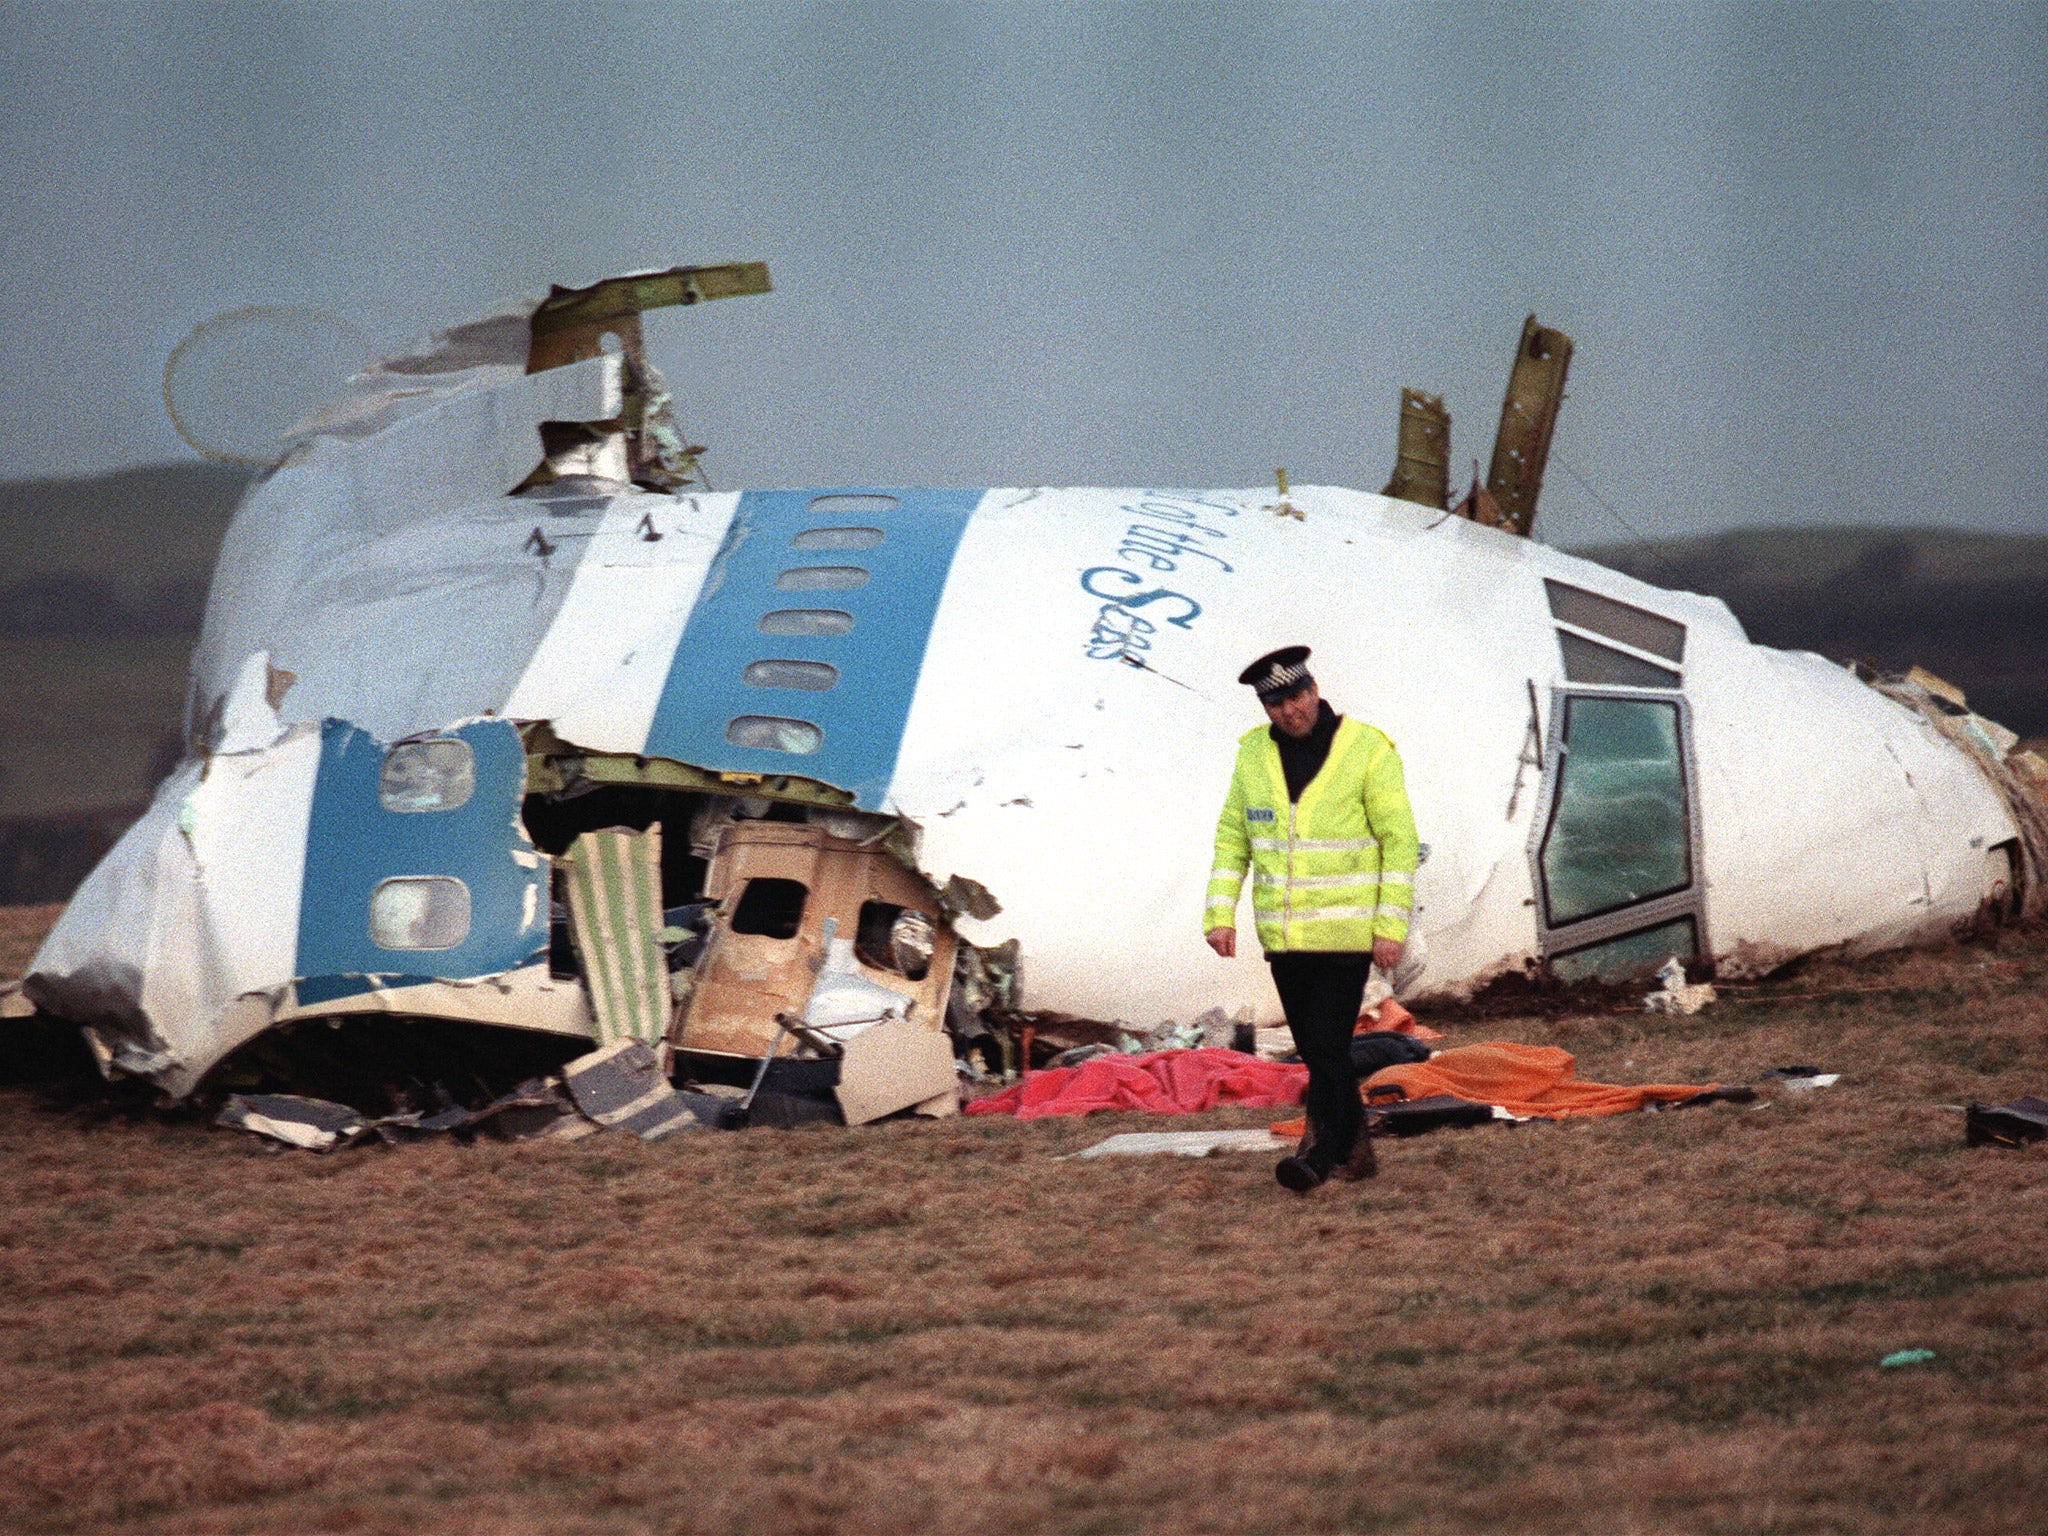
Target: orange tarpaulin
<point x="1530" y="1080"/>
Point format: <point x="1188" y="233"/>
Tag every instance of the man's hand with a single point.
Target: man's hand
<point x="1223" y="941"/>
<point x="1386" y="954"/>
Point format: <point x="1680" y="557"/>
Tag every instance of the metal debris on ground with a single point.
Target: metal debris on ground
<point x="317" y="1125"/>
<point x="1675" y="996"/>
<point x="622" y="1087"/>
<point x="1183" y="1143"/>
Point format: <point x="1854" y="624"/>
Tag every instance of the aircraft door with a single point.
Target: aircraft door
<point x="1615" y="848"/>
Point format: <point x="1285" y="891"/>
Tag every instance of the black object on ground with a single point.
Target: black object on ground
<point x="1298" y="1174"/>
<point x="1412" y="1117"/>
<point x="1378" y="1048"/>
<point x="2006" y="1125"/>
<point x="787" y="1111"/>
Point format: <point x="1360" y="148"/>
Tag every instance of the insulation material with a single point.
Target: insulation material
<point x="614" y="913"/>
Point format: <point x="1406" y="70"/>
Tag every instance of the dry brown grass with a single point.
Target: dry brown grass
<point x="1663" y="1322"/>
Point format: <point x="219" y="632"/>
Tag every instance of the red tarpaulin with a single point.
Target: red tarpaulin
<point x="1158" y="1082"/>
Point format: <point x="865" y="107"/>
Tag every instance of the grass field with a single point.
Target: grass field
<point x="1666" y="1322"/>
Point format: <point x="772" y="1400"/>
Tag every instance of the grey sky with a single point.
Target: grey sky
<point x="1803" y="250"/>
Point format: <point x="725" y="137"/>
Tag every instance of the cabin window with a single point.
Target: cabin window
<point x="851" y="504"/>
<point x="1618" y="831"/>
<point x="821" y="578"/>
<point x="810" y="676"/>
<point x="1632" y="954"/>
<point x="1636" y="628"/>
<point x="772" y="908"/>
<point x="807" y="621"/>
<point x="772" y="733"/>
<point x="893" y="938"/>
<point x="837" y="538"/>
<point x="1587" y="661"/>
<point x="419" y="912"/>
<point x="427" y="776"/>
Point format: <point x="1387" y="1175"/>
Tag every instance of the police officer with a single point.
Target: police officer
<point x="1319" y="812"/>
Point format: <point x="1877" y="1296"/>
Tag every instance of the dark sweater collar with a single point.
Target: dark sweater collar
<point x="1302" y="757"/>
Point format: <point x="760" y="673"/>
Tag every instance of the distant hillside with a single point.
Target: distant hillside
<point x="1972" y="607"/>
<point x="102" y="585"/>
<point x="128" y="553"/>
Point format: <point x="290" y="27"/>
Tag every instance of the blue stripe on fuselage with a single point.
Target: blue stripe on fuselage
<point x="862" y="716"/>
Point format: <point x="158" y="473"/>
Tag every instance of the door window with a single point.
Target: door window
<point x="1618" y="830"/>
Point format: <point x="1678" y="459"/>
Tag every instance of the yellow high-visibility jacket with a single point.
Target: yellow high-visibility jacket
<point x="1335" y="870"/>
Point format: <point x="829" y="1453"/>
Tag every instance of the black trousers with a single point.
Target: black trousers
<point x="1321" y="993"/>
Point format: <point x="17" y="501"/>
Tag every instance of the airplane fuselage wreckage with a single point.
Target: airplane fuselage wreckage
<point x="499" y="717"/>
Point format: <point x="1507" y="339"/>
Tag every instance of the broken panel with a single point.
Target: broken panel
<point x="781" y="883"/>
<point x="1422" y="466"/>
<point x="615" y="910"/>
<point x="1528" y="417"/>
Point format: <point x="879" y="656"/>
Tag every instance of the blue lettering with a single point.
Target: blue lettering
<point x="1139" y="599"/>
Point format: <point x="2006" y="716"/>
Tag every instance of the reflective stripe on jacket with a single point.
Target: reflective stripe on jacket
<point x="1335" y="870"/>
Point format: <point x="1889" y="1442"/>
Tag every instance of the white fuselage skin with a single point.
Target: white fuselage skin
<point x="1067" y="745"/>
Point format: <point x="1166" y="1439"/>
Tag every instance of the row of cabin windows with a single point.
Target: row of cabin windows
<point x="781" y="733"/>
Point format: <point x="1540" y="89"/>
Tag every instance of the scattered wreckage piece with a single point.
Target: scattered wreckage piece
<point x="621" y="1087"/>
<point x="479" y="612"/>
<point x="2023" y="1121"/>
<point x="1181" y="1144"/>
<point x="316" y="1125"/>
<point x="616" y="1087"/>
<point x="1675" y="994"/>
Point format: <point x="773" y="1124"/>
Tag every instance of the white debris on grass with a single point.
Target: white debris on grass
<point x="1184" y="1144"/>
<point x="1676" y="996"/>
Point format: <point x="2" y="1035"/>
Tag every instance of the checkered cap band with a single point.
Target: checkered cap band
<point x="1279" y="679"/>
